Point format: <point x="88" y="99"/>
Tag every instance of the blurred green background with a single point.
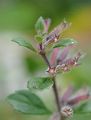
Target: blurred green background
<point x="17" y="64"/>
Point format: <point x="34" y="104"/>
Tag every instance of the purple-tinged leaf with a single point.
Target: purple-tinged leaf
<point x="78" y="99"/>
<point x="47" y="23"/>
<point x="54" y="35"/>
<point x="54" y="56"/>
<point x="81" y="95"/>
<point x="66" y="94"/>
<point x="62" y="56"/>
<point x="69" y="63"/>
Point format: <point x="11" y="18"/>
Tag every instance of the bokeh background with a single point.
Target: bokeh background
<point x="17" y="64"/>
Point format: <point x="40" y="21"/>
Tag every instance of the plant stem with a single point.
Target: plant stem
<point x="54" y="85"/>
<point x="45" y="59"/>
<point x="56" y="94"/>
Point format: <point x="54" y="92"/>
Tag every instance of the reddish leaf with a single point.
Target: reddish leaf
<point x="47" y="23"/>
<point x="55" y="34"/>
<point x="81" y="95"/>
<point x="78" y="99"/>
<point x="63" y="55"/>
<point x="67" y="94"/>
<point x="54" y="56"/>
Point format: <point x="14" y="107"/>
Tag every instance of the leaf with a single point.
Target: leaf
<point x="39" y="38"/>
<point x="83" y="107"/>
<point x="81" y="116"/>
<point x="26" y="102"/>
<point x="65" y="42"/>
<point x="24" y="43"/>
<point x="39" y="26"/>
<point x="40" y="83"/>
<point x="54" y="35"/>
<point x="54" y="56"/>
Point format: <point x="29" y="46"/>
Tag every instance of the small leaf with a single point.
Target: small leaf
<point x="47" y="23"/>
<point x="26" y="102"/>
<point x="39" y="38"/>
<point x="40" y="83"/>
<point x="39" y="26"/>
<point x="65" y="42"/>
<point x="24" y="43"/>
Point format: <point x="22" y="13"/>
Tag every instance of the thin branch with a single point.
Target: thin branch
<point x="56" y="94"/>
<point x="45" y="59"/>
<point x="42" y="53"/>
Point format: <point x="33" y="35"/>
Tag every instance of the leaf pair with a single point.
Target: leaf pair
<point x="29" y="103"/>
<point x="62" y="43"/>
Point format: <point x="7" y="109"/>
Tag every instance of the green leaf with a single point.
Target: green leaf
<point x="26" y="102"/>
<point x="39" y="26"/>
<point x="24" y="43"/>
<point x="65" y="42"/>
<point x="39" y="38"/>
<point x="83" y="107"/>
<point x="40" y="83"/>
<point x="81" y="116"/>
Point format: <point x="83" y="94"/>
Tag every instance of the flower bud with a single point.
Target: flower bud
<point x="51" y="71"/>
<point x="66" y="111"/>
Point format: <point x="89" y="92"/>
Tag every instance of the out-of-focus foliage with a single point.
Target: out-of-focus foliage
<point x="21" y="15"/>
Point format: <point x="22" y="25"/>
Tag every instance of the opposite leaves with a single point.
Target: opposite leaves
<point x="24" y="43"/>
<point x="40" y="83"/>
<point x="26" y="102"/>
